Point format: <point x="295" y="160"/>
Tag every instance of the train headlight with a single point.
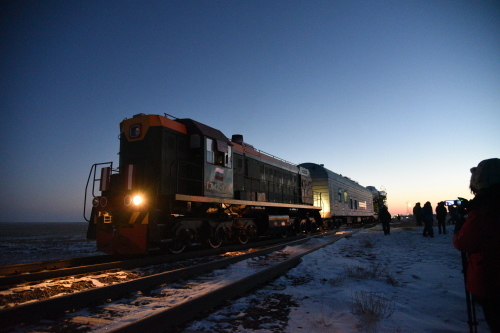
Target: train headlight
<point x="137" y="200"/>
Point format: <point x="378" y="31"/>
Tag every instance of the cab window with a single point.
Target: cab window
<point x="210" y="151"/>
<point x="219" y="153"/>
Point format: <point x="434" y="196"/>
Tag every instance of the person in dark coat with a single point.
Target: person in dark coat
<point x="480" y="238"/>
<point x="441" y="216"/>
<point x="453" y="214"/>
<point x="417" y="212"/>
<point x="385" y="218"/>
<point x="427" y="216"/>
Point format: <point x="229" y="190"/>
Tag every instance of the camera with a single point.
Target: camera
<point x="453" y="202"/>
<point x="462" y="209"/>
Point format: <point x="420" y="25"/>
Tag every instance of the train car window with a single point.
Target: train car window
<point x="210" y="151"/>
<point x="229" y="157"/>
<point x="346" y="197"/>
<point x="355" y="204"/>
<point x="340" y="195"/>
<point x="350" y="201"/>
<point x="135" y="131"/>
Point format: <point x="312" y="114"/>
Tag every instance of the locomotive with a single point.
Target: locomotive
<point x="180" y="182"/>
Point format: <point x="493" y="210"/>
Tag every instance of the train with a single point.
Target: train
<point x="180" y="182"/>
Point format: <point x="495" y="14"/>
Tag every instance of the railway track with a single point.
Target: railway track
<point x="20" y="316"/>
<point x="31" y="272"/>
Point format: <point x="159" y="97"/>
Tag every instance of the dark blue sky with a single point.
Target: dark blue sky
<point x="404" y="94"/>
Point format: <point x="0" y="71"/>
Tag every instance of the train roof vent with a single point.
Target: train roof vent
<point x="138" y="115"/>
<point x="237" y="138"/>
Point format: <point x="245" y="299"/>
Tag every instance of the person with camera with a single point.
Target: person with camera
<point x="479" y="237"/>
<point x="453" y="214"/>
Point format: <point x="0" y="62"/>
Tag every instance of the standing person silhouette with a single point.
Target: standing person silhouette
<point x="417" y="212"/>
<point x="441" y="216"/>
<point x="385" y="218"/>
<point x="479" y="237"/>
<point x="427" y="216"/>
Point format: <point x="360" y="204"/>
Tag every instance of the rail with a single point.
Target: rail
<point x="33" y="311"/>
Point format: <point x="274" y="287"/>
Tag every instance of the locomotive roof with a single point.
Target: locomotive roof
<point x="205" y="130"/>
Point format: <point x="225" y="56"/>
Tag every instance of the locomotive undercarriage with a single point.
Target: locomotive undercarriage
<point x="184" y="224"/>
<point x="221" y="224"/>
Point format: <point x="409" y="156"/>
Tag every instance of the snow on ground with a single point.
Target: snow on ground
<point x="415" y="282"/>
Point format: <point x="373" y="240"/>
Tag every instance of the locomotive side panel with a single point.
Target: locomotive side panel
<point x="181" y="167"/>
<point x="258" y="177"/>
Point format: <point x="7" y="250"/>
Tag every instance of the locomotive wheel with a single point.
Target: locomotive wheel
<point x="303" y="228"/>
<point x="247" y="234"/>
<point x="297" y="228"/>
<point x="176" y="246"/>
<point x="307" y="227"/>
<point x="243" y="237"/>
<point x="215" y="240"/>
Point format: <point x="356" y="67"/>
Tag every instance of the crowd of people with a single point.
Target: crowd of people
<point x="476" y="235"/>
<point x="425" y="215"/>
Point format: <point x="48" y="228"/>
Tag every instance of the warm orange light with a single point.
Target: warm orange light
<point x="137" y="200"/>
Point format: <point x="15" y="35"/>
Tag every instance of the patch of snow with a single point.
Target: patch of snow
<point x="420" y="278"/>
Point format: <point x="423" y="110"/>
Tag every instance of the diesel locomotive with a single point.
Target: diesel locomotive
<point x="180" y="182"/>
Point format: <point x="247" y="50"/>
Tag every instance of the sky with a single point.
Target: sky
<point x="400" y="95"/>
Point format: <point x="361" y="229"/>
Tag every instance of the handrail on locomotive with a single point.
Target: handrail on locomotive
<point x="93" y="170"/>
